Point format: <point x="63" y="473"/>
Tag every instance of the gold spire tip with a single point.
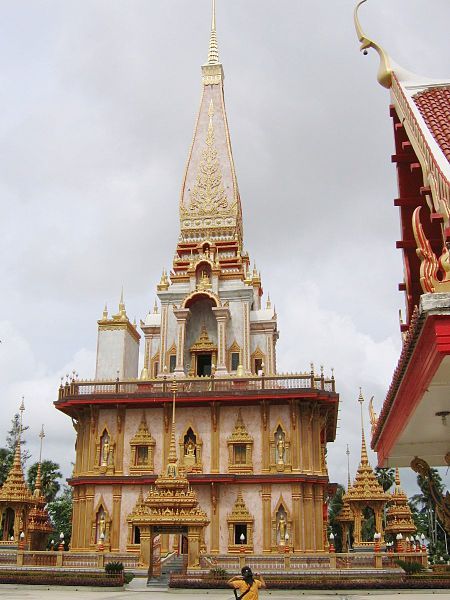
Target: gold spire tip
<point x="213" y="52"/>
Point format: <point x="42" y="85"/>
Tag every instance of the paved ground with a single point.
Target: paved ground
<point x="29" y="593"/>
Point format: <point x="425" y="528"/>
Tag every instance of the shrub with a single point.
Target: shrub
<point x="80" y="578"/>
<point x="218" y="573"/>
<point x="410" y="568"/>
<point x="127" y="577"/>
<point x="114" y="567"/>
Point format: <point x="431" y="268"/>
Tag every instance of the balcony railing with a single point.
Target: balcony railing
<point x="193" y="386"/>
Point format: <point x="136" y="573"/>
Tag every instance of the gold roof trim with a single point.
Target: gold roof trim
<point x="384" y="74"/>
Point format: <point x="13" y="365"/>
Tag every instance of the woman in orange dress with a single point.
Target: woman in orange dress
<point x="247" y="585"/>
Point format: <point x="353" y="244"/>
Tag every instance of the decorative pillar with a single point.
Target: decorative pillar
<point x="90" y="492"/>
<point x="315" y="441"/>
<point x="146" y="549"/>
<point x="308" y="504"/>
<point x="295" y="435"/>
<point x="182" y="316"/>
<point x="296" y="529"/>
<point x="115" y="526"/>
<point x="265" y="435"/>
<point x="266" y="493"/>
<point x="215" y="437"/>
<point x="93" y="433"/>
<point x="75" y="517"/>
<point x="118" y="453"/>
<point x="163" y="347"/>
<point x="318" y="513"/>
<point x="193" y="548"/>
<point x="222" y="315"/>
<point x="246" y="337"/>
<point x="215" y="519"/>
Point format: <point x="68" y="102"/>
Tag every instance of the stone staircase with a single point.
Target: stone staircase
<point x="171" y="565"/>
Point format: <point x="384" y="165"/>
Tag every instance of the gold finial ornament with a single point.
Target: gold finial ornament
<point x="213" y="52"/>
<point x="105" y="312"/>
<point x="384" y="75"/>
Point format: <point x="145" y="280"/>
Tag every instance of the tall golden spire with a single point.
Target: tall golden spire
<point x="364" y="457"/>
<point x="213" y="53"/>
<point x="172" y="457"/>
<point x="347" y="452"/>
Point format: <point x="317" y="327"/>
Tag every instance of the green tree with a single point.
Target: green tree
<point x="50" y="476"/>
<point x="7" y="454"/>
<point x="424" y="507"/>
<point x="334" y="507"/>
<point x="60" y="511"/>
<point x="385" y="477"/>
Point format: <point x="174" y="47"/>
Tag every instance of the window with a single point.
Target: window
<point x="240" y="533"/>
<point x="234" y="361"/>
<point x="172" y="363"/>
<point x="136" y="535"/>
<point x="258" y="365"/>
<point x="141" y="455"/>
<point x="240" y="454"/>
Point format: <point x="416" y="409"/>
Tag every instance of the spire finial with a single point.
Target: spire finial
<point x="347" y="452"/>
<point x="172" y="457"/>
<point x="364" y="457"/>
<point x="213" y="53"/>
<point x="42" y="436"/>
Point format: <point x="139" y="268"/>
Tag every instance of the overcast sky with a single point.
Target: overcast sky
<point x="98" y="101"/>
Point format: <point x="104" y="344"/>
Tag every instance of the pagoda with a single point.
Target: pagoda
<point x="245" y="434"/>
<point x="365" y="493"/>
<point x="398" y="514"/>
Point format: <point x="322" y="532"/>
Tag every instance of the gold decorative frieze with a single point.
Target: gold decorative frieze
<point x="240" y="448"/>
<point x="142" y="449"/>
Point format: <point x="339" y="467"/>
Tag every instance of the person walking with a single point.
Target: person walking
<point x="247" y="585"/>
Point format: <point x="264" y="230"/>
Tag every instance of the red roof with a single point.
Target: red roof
<point x="434" y="106"/>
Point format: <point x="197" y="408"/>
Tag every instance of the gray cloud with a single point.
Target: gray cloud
<point x="98" y="105"/>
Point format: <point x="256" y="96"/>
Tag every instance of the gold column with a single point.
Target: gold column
<point x="215" y="519"/>
<point x="308" y="511"/>
<point x="246" y="337"/>
<point x="181" y="315"/>
<point x="117" y="503"/>
<point x="78" y="522"/>
<point x="318" y="509"/>
<point x="163" y="343"/>
<point x="295" y="434"/>
<point x="305" y="439"/>
<point x="84" y="442"/>
<point x="118" y="456"/>
<point x="265" y="435"/>
<point x="315" y="442"/>
<point x="222" y="315"/>
<point x="266" y="492"/>
<point x="193" y="548"/>
<point x="296" y="529"/>
<point x="93" y="432"/>
<point x="215" y="437"/>
<point x="146" y="549"/>
<point x="89" y="510"/>
<point x="75" y="517"/>
<point x="167" y="414"/>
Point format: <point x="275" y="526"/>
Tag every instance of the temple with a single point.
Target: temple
<point x="412" y="428"/>
<point x="240" y="465"/>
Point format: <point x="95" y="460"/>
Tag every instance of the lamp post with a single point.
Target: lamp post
<point x="21" y="540"/>
<point x="422" y="539"/>
<point x="418" y="543"/>
<point x="286" y="543"/>
<point x="61" y="542"/>
<point x="52" y="544"/>
<point x="376" y="539"/>
<point x="407" y="544"/>
<point x="242" y="551"/>
<point x="101" y="542"/>
<point x="399" y="542"/>
<point x="332" y="548"/>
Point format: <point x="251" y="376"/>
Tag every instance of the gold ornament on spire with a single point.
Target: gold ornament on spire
<point x="208" y="197"/>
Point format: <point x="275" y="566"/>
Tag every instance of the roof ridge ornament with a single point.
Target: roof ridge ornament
<point x="384" y="74"/>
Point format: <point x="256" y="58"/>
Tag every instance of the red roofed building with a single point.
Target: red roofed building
<point x="415" y="418"/>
